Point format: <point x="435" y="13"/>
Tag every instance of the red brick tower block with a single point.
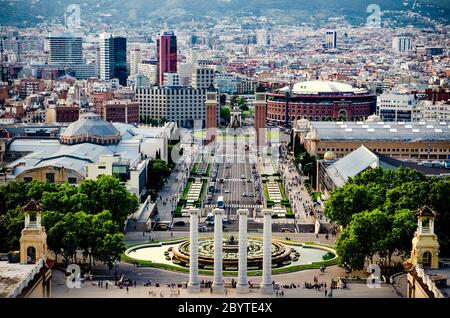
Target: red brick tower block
<point x="211" y="114"/>
<point x="260" y="116"/>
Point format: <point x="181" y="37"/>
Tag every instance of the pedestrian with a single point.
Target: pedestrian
<point x="326" y="292"/>
<point x="106" y="285"/>
<point x="127" y="289"/>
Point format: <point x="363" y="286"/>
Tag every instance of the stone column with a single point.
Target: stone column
<point x="266" y="284"/>
<point x="218" y="286"/>
<point x="242" y="286"/>
<point x="194" y="284"/>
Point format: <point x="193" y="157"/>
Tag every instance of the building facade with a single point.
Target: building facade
<point x="397" y="107"/>
<point x="120" y="111"/>
<point x="182" y="105"/>
<point x="331" y="39"/>
<point x="321" y="100"/>
<point x="166" y="52"/>
<point x="415" y="140"/>
<point x="113" y="58"/>
<point x="65" y="49"/>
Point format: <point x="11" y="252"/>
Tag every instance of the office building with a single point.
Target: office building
<point x="65" y="49"/>
<point x="166" y="53"/>
<point x="202" y="77"/>
<point x="113" y="58"/>
<point x="182" y="105"/>
<point x="331" y="39"/>
<point x="262" y="38"/>
<point x="395" y="106"/>
<point x="402" y="43"/>
<point x="135" y="60"/>
<point x="433" y="110"/>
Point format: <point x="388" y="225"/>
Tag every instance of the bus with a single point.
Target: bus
<point x="220" y="202"/>
<point x="212" y="187"/>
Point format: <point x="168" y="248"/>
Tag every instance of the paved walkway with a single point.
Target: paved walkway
<point x="174" y="186"/>
<point x="91" y="289"/>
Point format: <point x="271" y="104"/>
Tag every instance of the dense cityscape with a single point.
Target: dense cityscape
<point x="237" y="155"/>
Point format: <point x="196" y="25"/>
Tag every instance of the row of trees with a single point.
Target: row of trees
<point x="88" y="218"/>
<point x="377" y="210"/>
<point x="307" y="161"/>
<point x="158" y="170"/>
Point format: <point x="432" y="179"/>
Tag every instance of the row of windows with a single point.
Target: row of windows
<point x="397" y="150"/>
<point x="50" y="177"/>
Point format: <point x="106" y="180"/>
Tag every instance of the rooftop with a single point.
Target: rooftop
<point x="316" y="87"/>
<point x="412" y="131"/>
<point x="15" y="277"/>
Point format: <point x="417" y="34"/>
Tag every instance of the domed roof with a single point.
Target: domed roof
<point x="329" y="156"/>
<point x="315" y="87"/>
<point x="91" y="125"/>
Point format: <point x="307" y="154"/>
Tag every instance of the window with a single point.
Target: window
<point x="50" y="176"/>
<point x="27" y="179"/>
<point x="72" y="180"/>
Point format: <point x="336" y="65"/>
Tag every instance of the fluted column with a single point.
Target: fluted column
<point x="266" y="284"/>
<point x="242" y="286"/>
<point x="194" y="284"/>
<point x="218" y="286"/>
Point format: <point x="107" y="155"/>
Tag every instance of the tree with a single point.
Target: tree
<point x="345" y="202"/>
<point x="225" y="114"/>
<point x="110" y="248"/>
<point x="393" y="197"/>
<point x="363" y="238"/>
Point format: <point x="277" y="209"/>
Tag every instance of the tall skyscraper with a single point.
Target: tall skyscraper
<point x="262" y="38"/>
<point x="65" y="49"/>
<point x="166" y="54"/>
<point x="113" y="58"/>
<point x="331" y="39"/>
<point x="402" y="43"/>
<point x="135" y="60"/>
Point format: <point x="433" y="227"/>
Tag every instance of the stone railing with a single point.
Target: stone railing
<point x="428" y="282"/>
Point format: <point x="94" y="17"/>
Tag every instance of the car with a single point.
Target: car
<point x="286" y="230"/>
<point x="244" y="194"/>
<point x="242" y="176"/>
<point x="162" y="227"/>
<point x="179" y="223"/>
<point x="221" y="180"/>
<point x="226" y="190"/>
<point x="251" y="194"/>
<point x="249" y="180"/>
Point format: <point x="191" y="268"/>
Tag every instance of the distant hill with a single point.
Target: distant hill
<point x="32" y="12"/>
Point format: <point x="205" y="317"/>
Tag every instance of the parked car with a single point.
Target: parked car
<point x="287" y="230"/>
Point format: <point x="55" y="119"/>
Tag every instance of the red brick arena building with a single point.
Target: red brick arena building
<point x="320" y="101"/>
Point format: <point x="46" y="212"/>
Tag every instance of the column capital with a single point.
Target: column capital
<point x="218" y="211"/>
<point x="267" y="211"/>
<point x="242" y="212"/>
<point x="193" y="211"/>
